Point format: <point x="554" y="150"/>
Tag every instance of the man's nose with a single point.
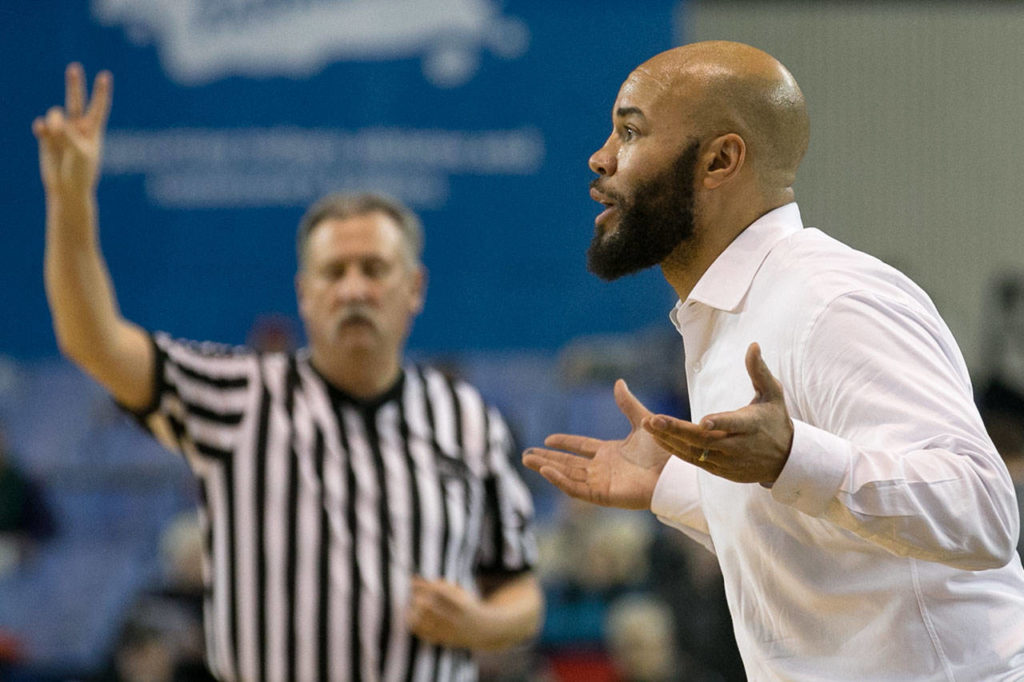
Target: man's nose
<point x="603" y="161"/>
<point x="353" y="286"/>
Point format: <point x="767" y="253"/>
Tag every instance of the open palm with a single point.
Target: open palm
<point x="613" y="473"/>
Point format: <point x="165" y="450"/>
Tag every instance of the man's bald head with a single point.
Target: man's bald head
<point x="726" y="87"/>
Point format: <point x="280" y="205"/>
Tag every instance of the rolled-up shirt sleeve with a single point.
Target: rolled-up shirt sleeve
<point x="888" y="443"/>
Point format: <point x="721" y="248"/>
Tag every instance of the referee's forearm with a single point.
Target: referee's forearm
<point x="516" y="607"/>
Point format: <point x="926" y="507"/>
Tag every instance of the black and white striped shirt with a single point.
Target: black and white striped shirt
<point x="317" y="508"/>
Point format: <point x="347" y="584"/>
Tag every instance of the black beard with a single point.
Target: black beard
<point x="652" y="223"/>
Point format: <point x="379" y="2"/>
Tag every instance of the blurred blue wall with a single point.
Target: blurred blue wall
<point x="230" y="117"/>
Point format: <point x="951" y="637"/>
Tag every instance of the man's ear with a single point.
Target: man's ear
<point x="723" y="158"/>
<point x="419" y="285"/>
<point x="300" y="288"/>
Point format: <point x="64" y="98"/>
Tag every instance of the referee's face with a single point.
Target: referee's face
<point x="359" y="291"/>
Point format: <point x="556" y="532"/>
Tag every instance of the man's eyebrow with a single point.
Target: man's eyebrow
<point x="623" y="112"/>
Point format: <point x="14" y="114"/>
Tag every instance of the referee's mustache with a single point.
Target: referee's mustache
<point x="356" y="312"/>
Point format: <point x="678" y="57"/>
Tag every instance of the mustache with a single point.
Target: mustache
<point x="356" y="312"/>
<point x="596" y="184"/>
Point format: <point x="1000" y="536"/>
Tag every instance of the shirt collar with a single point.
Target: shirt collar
<point x="725" y="283"/>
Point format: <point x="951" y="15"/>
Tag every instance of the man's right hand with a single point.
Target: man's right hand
<point x="88" y="324"/>
<point x="612" y="473"/>
<point x="71" y="138"/>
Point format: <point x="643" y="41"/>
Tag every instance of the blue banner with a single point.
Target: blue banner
<point x="230" y="117"/>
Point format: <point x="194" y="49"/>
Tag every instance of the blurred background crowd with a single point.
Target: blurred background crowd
<point x="483" y="124"/>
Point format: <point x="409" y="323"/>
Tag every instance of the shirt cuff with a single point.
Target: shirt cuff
<point x="817" y="465"/>
<point x="676" y="495"/>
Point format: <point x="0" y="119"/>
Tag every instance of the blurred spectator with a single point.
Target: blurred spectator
<point x="688" y="578"/>
<point x="629" y="599"/>
<point x="161" y="639"/>
<point x="652" y="358"/>
<point x="151" y="645"/>
<point x="25" y="517"/>
<point x="12" y="653"/>
<point x="1001" y="395"/>
<point x="1015" y="464"/>
<point x="588" y="558"/>
<point x="181" y="556"/>
<point x="273" y="333"/>
<point x="641" y="639"/>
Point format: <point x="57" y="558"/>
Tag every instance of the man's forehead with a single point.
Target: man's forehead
<point x="644" y="89"/>
<point x="647" y="76"/>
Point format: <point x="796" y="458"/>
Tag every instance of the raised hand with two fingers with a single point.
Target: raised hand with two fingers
<point x="71" y="137"/>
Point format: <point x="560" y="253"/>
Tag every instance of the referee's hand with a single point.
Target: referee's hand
<point x="443" y="613"/>
<point x="71" y="137"/>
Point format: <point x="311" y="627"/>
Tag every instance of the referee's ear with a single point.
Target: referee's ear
<point x="299" y="288"/>
<point x="418" y="295"/>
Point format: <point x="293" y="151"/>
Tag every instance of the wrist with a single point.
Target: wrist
<point x="70" y="208"/>
<point x="510" y="616"/>
<point x="70" y="198"/>
<point x="486" y="632"/>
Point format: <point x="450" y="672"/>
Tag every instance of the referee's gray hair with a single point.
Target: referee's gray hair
<point x="342" y="205"/>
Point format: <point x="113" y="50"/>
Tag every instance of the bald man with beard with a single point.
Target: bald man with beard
<point x="836" y="465"/>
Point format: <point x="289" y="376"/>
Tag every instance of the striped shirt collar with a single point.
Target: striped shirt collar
<point x="340" y="395"/>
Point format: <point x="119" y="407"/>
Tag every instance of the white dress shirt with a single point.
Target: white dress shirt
<point x="886" y="548"/>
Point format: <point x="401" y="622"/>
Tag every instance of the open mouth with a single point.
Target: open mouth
<point x="606" y="201"/>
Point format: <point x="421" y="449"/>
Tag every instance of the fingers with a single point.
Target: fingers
<point x="436" y="591"/>
<point x="535" y="458"/>
<point x="444" y="594"/>
<point x="628" y="404"/>
<point x="580" y="445"/>
<point x="440" y="612"/>
<point x="56" y="120"/>
<point x="51" y="127"/>
<point x="99" y="106"/>
<point x="74" y="90"/>
<point x="766" y="387"/>
<point x="690" y="453"/>
<point x="562" y="470"/>
<point x="678" y="435"/>
<point x="96" y="110"/>
<point x="571" y="487"/>
<point x="39" y="128"/>
<point x="726" y="424"/>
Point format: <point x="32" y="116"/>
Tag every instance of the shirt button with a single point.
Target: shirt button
<point x="698" y="366"/>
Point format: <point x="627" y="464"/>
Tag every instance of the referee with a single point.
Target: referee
<point x="362" y="520"/>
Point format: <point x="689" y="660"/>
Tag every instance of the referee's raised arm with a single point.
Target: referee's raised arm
<point x="89" y="327"/>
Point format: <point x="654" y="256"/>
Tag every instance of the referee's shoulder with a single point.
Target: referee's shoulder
<point x="453" y="375"/>
<point x="210" y="349"/>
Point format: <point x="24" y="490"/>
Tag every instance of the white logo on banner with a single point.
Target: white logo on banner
<point x="203" y="40"/>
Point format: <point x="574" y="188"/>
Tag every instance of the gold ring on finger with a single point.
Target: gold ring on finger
<point x="704" y="455"/>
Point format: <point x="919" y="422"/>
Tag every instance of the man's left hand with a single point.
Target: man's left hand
<point x="749" y="445"/>
<point x="443" y="613"/>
